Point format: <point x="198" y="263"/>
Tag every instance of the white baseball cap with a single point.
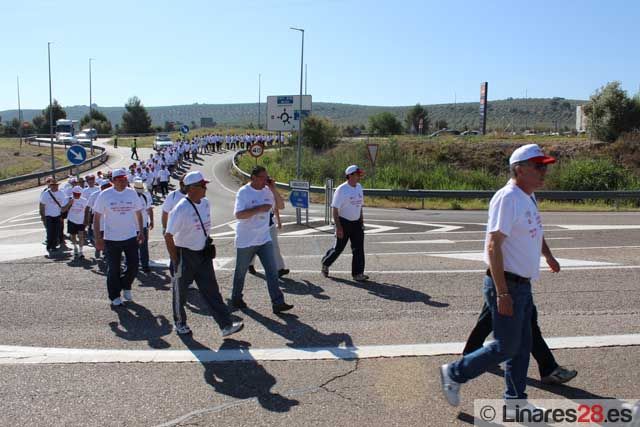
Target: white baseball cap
<point x="530" y="152"/>
<point x="353" y="169"/>
<point x="194" y="178"/>
<point x="76" y="189"/>
<point x="118" y="172"/>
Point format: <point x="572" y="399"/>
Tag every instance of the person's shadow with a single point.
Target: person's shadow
<point x="392" y="292"/>
<point x="244" y="379"/>
<point x="304" y="337"/>
<point x="157" y="278"/>
<point x="294" y="287"/>
<point x="137" y="323"/>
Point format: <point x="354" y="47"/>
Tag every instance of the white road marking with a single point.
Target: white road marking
<point x="564" y="262"/>
<point x="218" y="263"/>
<point x="25" y="250"/>
<point x="23" y="355"/>
<point x="213" y="171"/>
<point x="28" y="217"/>
<point x="598" y="227"/>
<point x="20" y="225"/>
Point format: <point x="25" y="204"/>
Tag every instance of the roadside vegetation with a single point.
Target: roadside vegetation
<point x="16" y="159"/>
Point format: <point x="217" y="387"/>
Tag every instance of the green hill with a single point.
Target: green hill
<point x="543" y="114"/>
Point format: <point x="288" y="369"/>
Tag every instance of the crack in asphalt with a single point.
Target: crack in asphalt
<point x="290" y="393"/>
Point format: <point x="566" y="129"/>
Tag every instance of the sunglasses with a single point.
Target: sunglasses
<point x="539" y="166"/>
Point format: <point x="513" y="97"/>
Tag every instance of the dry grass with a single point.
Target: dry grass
<point x="16" y="159"/>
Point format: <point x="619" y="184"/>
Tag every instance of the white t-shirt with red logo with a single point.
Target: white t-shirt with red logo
<point x="76" y="211"/>
<point x="51" y="208"/>
<point x="253" y="231"/>
<point x="118" y="210"/>
<point x="185" y="227"/>
<point x="348" y="200"/>
<point x="515" y="214"/>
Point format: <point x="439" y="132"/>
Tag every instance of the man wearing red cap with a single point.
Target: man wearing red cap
<point x="77" y="220"/>
<point x="513" y="244"/>
<point x="347" y="215"/>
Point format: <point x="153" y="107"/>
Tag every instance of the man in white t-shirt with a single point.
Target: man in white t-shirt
<point x="86" y="194"/>
<point x="346" y="206"/>
<point x="53" y="203"/>
<point x="120" y="210"/>
<point x="513" y="245"/>
<point x="164" y="176"/>
<point x="147" y="222"/>
<point x="187" y="238"/>
<point x="77" y="219"/>
<point x="253" y="203"/>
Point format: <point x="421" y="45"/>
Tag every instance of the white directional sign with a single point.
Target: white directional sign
<point x="283" y="112"/>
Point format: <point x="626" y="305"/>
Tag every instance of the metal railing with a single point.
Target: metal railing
<point x="470" y="194"/>
<point x="90" y="162"/>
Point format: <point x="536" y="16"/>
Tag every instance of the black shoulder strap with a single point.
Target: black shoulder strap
<point x="144" y="197"/>
<point x="54" y="199"/>
<point x="198" y="213"/>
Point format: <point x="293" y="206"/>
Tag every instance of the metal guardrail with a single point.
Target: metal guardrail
<point x="470" y="194"/>
<point x="92" y="162"/>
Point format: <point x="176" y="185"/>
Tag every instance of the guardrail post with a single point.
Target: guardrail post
<point x="423" y="203"/>
<point x="328" y="194"/>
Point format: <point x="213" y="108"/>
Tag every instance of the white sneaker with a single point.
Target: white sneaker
<point x="511" y="412"/>
<point x="116" y="302"/>
<point x="182" y="329"/>
<point x="450" y="388"/>
<point x="229" y="330"/>
<point x="127" y="295"/>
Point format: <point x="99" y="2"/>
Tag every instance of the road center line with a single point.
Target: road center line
<point x="22" y="355"/>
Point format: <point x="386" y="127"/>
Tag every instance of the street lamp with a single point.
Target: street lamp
<point x="53" y="162"/>
<point x="259" y="81"/>
<point x="90" y="103"/>
<point x="299" y="155"/>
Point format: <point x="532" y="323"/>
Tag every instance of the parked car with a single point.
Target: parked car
<point x="91" y="133"/>
<point x="162" y="141"/>
<point x="470" y="132"/>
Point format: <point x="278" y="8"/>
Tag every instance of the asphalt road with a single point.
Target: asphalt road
<point x="424" y="289"/>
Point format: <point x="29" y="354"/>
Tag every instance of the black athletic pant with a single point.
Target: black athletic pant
<point x="539" y="349"/>
<point x="117" y="280"/>
<point x="354" y="231"/>
<point x="52" y="224"/>
<point x="195" y="266"/>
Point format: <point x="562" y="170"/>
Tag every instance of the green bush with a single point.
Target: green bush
<point x="589" y="175"/>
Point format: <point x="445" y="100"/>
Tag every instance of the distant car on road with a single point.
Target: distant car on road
<point x="470" y="132"/>
<point x="91" y="133"/>
<point x="162" y="141"/>
<point x="443" y="132"/>
<point x="83" y="138"/>
<point x="66" y="138"/>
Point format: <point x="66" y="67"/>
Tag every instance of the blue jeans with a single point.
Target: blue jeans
<point x="512" y="342"/>
<point x="268" y="260"/>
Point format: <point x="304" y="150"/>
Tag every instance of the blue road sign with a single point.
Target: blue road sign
<point x="299" y="199"/>
<point x="184" y="129"/>
<point x="76" y="154"/>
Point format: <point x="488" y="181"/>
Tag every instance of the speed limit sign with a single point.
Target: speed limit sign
<point x="256" y="150"/>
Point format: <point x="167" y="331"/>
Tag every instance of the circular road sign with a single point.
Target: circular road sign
<point x="256" y="150"/>
<point x="184" y="129"/>
<point x="76" y="154"/>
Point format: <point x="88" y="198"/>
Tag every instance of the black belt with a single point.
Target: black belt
<point x="512" y="277"/>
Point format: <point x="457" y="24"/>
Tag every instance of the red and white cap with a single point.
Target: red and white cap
<point x="77" y="190"/>
<point x="353" y="169"/>
<point x="530" y="152"/>
<point x="118" y="172"/>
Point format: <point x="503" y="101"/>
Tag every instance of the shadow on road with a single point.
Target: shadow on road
<point x="240" y="379"/>
<point x="392" y="292"/>
<point x="304" y="337"/>
<point x="137" y="323"/>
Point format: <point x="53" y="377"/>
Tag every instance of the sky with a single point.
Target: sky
<point x="387" y="53"/>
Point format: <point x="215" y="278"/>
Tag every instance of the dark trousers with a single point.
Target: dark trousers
<point x="354" y="231"/>
<point x="134" y="152"/>
<point x="164" y="187"/>
<point x="144" y="249"/>
<point x="539" y="349"/>
<point x="118" y="281"/>
<point x="194" y="265"/>
<point x="53" y="225"/>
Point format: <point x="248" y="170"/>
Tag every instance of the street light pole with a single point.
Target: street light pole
<point x="90" y="104"/>
<point x="19" y="112"/>
<point x="299" y="156"/>
<point x="53" y="162"/>
<point x="259" y="78"/>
